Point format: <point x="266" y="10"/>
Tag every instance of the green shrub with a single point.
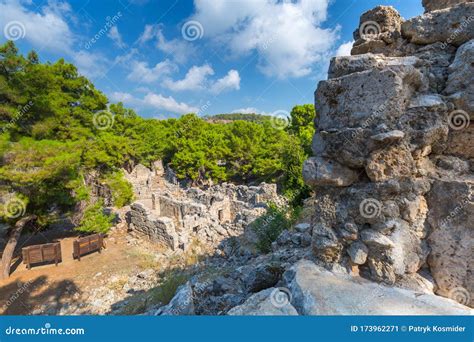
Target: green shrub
<point x="94" y="220"/>
<point x="269" y="226"/>
<point x="167" y="289"/>
<point x="122" y="192"/>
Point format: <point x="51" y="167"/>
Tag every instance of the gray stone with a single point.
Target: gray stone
<point x="373" y="238"/>
<point x="317" y="291"/>
<point x="346" y="65"/>
<point x="459" y="86"/>
<point x="303" y="227"/>
<point x="325" y="244"/>
<point x="320" y="171"/>
<point x="392" y="162"/>
<point x="269" y="302"/>
<point x="260" y="277"/>
<point x="358" y="253"/>
<point x="366" y="99"/>
<point x="181" y="304"/>
<point x="434" y="5"/>
<point x="457" y="142"/>
<point x="451" y="217"/>
<point x="388" y="137"/>
<point x="450" y="26"/>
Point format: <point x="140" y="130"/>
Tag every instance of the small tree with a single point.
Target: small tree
<point x="302" y="124"/>
<point x="95" y="220"/>
<point x="269" y="226"/>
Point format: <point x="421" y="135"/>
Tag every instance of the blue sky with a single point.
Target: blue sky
<point x="167" y="57"/>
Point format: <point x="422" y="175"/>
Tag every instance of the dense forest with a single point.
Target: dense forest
<point x="56" y="128"/>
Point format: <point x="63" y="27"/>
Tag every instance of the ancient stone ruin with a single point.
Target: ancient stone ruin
<point x="174" y="216"/>
<point x="393" y="165"/>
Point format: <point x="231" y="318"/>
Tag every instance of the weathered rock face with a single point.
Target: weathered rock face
<point x="452" y="259"/>
<point x="317" y="291"/>
<point x="393" y="154"/>
<point x="265" y="303"/>
<point x="433" y="5"/>
<point x="452" y="25"/>
<point x="461" y="78"/>
<point x="173" y="216"/>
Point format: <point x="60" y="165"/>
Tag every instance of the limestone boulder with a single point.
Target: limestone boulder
<point x="436" y="58"/>
<point x="261" y="277"/>
<point x="325" y="244"/>
<point x="451" y="217"/>
<point x="390" y="163"/>
<point x="366" y="99"/>
<point x="269" y="302"/>
<point x="452" y="25"/>
<point x="317" y="291"/>
<point x="325" y="172"/>
<point x="181" y="304"/>
<point x="349" y="147"/>
<point x="408" y="253"/>
<point x="460" y="82"/>
<point x="434" y="5"/>
<point x="346" y="65"/>
<point x="358" y="252"/>
<point x="387" y="18"/>
<point x="459" y="141"/>
<point x="378" y="29"/>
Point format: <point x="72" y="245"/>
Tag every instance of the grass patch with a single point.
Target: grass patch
<point x="167" y="289"/>
<point x="143" y="260"/>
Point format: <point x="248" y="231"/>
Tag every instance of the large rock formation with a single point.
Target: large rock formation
<point x="393" y="163"/>
<point x="317" y="291"/>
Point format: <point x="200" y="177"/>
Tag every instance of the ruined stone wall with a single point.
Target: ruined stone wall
<point x="174" y="216"/>
<point x="393" y="165"/>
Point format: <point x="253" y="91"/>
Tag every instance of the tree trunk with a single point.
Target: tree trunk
<point x="11" y="244"/>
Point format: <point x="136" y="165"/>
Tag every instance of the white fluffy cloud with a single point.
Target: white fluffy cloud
<point x="287" y="35"/>
<point x="178" y="49"/>
<point x="122" y="97"/>
<point x="161" y="102"/>
<point x="47" y="29"/>
<point x="154" y="101"/>
<point x="197" y="78"/>
<point x="141" y="72"/>
<point x="115" y="35"/>
<point x="345" y="49"/>
<point x="194" y="79"/>
<point x="228" y="82"/>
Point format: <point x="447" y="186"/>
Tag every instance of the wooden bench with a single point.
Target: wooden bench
<point x="47" y="252"/>
<point x="87" y="244"/>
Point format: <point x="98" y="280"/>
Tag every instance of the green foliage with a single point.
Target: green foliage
<point x="269" y="226"/>
<point x="95" y="220"/>
<point x="122" y="192"/>
<point x="301" y="125"/>
<point x="171" y="280"/>
<point x="252" y="117"/>
<point x="48" y="140"/>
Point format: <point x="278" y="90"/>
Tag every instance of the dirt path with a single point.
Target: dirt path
<point x="44" y="289"/>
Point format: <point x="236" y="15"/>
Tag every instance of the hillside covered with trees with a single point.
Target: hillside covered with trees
<point x="57" y="128"/>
